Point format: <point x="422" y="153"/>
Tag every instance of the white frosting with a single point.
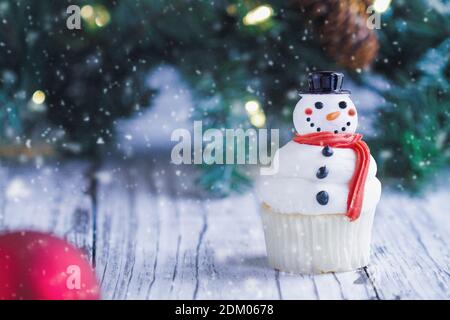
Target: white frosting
<point x="296" y="160"/>
<point x="293" y="185"/>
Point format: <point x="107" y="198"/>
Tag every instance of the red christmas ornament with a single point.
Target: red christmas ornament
<point x="38" y="266"/>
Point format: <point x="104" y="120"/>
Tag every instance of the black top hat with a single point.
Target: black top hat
<point x="322" y="82"/>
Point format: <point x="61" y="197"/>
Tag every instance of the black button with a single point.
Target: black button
<point x="322" y="197"/>
<point x="327" y="151"/>
<point x="322" y="172"/>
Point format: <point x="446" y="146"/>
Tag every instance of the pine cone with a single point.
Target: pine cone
<point x="341" y="26"/>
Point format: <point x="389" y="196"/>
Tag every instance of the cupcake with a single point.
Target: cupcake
<point x="319" y="200"/>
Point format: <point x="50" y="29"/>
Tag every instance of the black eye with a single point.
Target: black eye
<point x="342" y="105"/>
<point x="318" y="105"/>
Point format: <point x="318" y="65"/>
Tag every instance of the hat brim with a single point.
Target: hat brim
<point x="325" y="92"/>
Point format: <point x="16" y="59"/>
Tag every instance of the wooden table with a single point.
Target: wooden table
<point x="151" y="237"/>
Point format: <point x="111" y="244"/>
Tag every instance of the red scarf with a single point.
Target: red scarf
<point x="350" y="141"/>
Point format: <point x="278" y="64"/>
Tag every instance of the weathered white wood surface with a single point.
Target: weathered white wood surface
<point x="151" y="237"/>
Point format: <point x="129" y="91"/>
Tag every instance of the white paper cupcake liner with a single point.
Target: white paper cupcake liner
<point x="317" y="244"/>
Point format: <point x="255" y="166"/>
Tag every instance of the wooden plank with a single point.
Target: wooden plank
<point x="50" y="198"/>
<point x="232" y="253"/>
<point x="29" y="198"/>
<point x="4" y="174"/>
<point x="177" y="275"/>
<point x="159" y="241"/>
<point x="116" y="229"/>
<point x="230" y="260"/>
<point x="75" y="212"/>
<point x="157" y="238"/>
<point x="168" y="248"/>
<point x="145" y="249"/>
<point x="181" y="231"/>
<point x="353" y="285"/>
<point x="411" y="258"/>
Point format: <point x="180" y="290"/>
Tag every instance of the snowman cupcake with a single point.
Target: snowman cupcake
<point x="319" y="201"/>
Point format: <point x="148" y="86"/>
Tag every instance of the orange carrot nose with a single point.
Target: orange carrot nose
<point x="333" y="115"/>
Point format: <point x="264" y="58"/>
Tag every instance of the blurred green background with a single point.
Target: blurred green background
<point x="63" y="91"/>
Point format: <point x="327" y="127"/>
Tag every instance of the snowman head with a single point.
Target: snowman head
<point x="325" y="107"/>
